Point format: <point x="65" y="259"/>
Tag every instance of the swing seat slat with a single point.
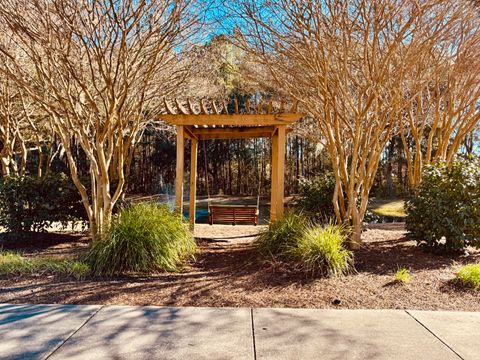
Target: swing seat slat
<point x="233" y="214"/>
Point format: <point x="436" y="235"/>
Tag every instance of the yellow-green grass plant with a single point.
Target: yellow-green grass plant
<point x="282" y="234"/>
<point x="469" y="275"/>
<point x="402" y="276"/>
<point x="322" y="250"/>
<point x="14" y="263"/>
<point x="142" y="238"/>
<point x="317" y="249"/>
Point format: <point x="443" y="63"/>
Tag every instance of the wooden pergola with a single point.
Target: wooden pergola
<point x="212" y="120"/>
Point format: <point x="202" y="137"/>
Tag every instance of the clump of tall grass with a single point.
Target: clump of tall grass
<point x="469" y="275"/>
<point x="142" y="238"/>
<point x="319" y="250"/>
<point x="282" y="234"/>
<point x="12" y="263"/>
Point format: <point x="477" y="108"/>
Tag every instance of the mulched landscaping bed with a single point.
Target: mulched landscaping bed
<point x="229" y="273"/>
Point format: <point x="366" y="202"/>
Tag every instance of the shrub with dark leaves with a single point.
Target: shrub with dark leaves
<point x="31" y="203"/>
<point x="444" y="213"/>
<point x="316" y="197"/>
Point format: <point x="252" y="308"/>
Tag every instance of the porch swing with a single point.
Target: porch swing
<point x="231" y="214"/>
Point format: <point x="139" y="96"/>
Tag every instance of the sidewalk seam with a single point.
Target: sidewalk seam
<point x="253" y="336"/>
<point x="74" y="332"/>
<point x="435" y="335"/>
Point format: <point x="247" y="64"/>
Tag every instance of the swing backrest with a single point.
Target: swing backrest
<point x="233" y="214"/>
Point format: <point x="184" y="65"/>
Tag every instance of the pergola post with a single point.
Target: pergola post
<point x="278" y="173"/>
<point x="274" y="175"/>
<point x="179" y="169"/>
<point x="193" y="182"/>
<point x="280" y="170"/>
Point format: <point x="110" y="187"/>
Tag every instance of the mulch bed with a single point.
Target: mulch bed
<point x="229" y="273"/>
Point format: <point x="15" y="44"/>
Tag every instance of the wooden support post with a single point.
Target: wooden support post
<point x="193" y="182"/>
<point x="180" y="169"/>
<point x="281" y="142"/>
<point x="274" y="175"/>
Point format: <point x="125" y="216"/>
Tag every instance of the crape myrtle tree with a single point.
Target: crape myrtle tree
<point x="348" y="63"/>
<point x="17" y="129"/>
<point x="447" y="86"/>
<point x="99" y="69"/>
<point x="10" y="129"/>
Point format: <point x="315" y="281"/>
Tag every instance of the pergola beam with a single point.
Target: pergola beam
<point x="232" y="133"/>
<point x="220" y="130"/>
<point x="262" y="134"/>
<point x="189" y="133"/>
<point x="232" y="120"/>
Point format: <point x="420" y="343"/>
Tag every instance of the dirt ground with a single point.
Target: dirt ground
<point x="228" y="272"/>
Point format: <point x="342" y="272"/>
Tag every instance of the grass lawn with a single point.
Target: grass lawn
<point x="388" y="207"/>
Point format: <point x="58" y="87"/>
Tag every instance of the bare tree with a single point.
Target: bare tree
<point x="9" y="129"/>
<point x="347" y="62"/>
<point x="17" y="129"/>
<point x="99" y="69"/>
<point x="447" y="105"/>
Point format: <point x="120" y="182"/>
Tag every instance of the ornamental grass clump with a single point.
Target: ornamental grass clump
<point x="321" y="250"/>
<point x="318" y="250"/>
<point x="402" y="276"/>
<point x="469" y="275"/>
<point x="282" y="235"/>
<point x="142" y="238"/>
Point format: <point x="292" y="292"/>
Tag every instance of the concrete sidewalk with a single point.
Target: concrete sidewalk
<point x="121" y="332"/>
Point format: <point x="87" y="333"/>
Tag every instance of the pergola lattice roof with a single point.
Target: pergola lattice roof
<point x="210" y="119"/>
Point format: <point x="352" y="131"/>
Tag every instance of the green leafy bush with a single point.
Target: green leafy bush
<point x="282" y="234"/>
<point x="469" y="275"/>
<point x="12" y="263"/>
<point x="317" y="196"/>
<point x="316" y="249"/>
<point x="321" y="250"/>
<point x="445" y="210"/>
<point x="142" y="238"/>
<point x="31" y="204"/>
<point x="402" y="276"/>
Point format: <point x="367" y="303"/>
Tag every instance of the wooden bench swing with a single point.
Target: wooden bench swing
<point x="208" y="120"/>
<point x="233" y="214"/>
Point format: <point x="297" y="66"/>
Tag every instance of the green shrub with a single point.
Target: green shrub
<point x="402" y="276"/>
<point x="282" y="234"/>
<point x="317" y="196"/>
<point x="142" y="238"/>
<point x="321" y="250"/>
<point x="445" y="210"/>
<point x="469" y="275"/>
<point x="31" y="204"/>
<point x="12" y="263"/>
